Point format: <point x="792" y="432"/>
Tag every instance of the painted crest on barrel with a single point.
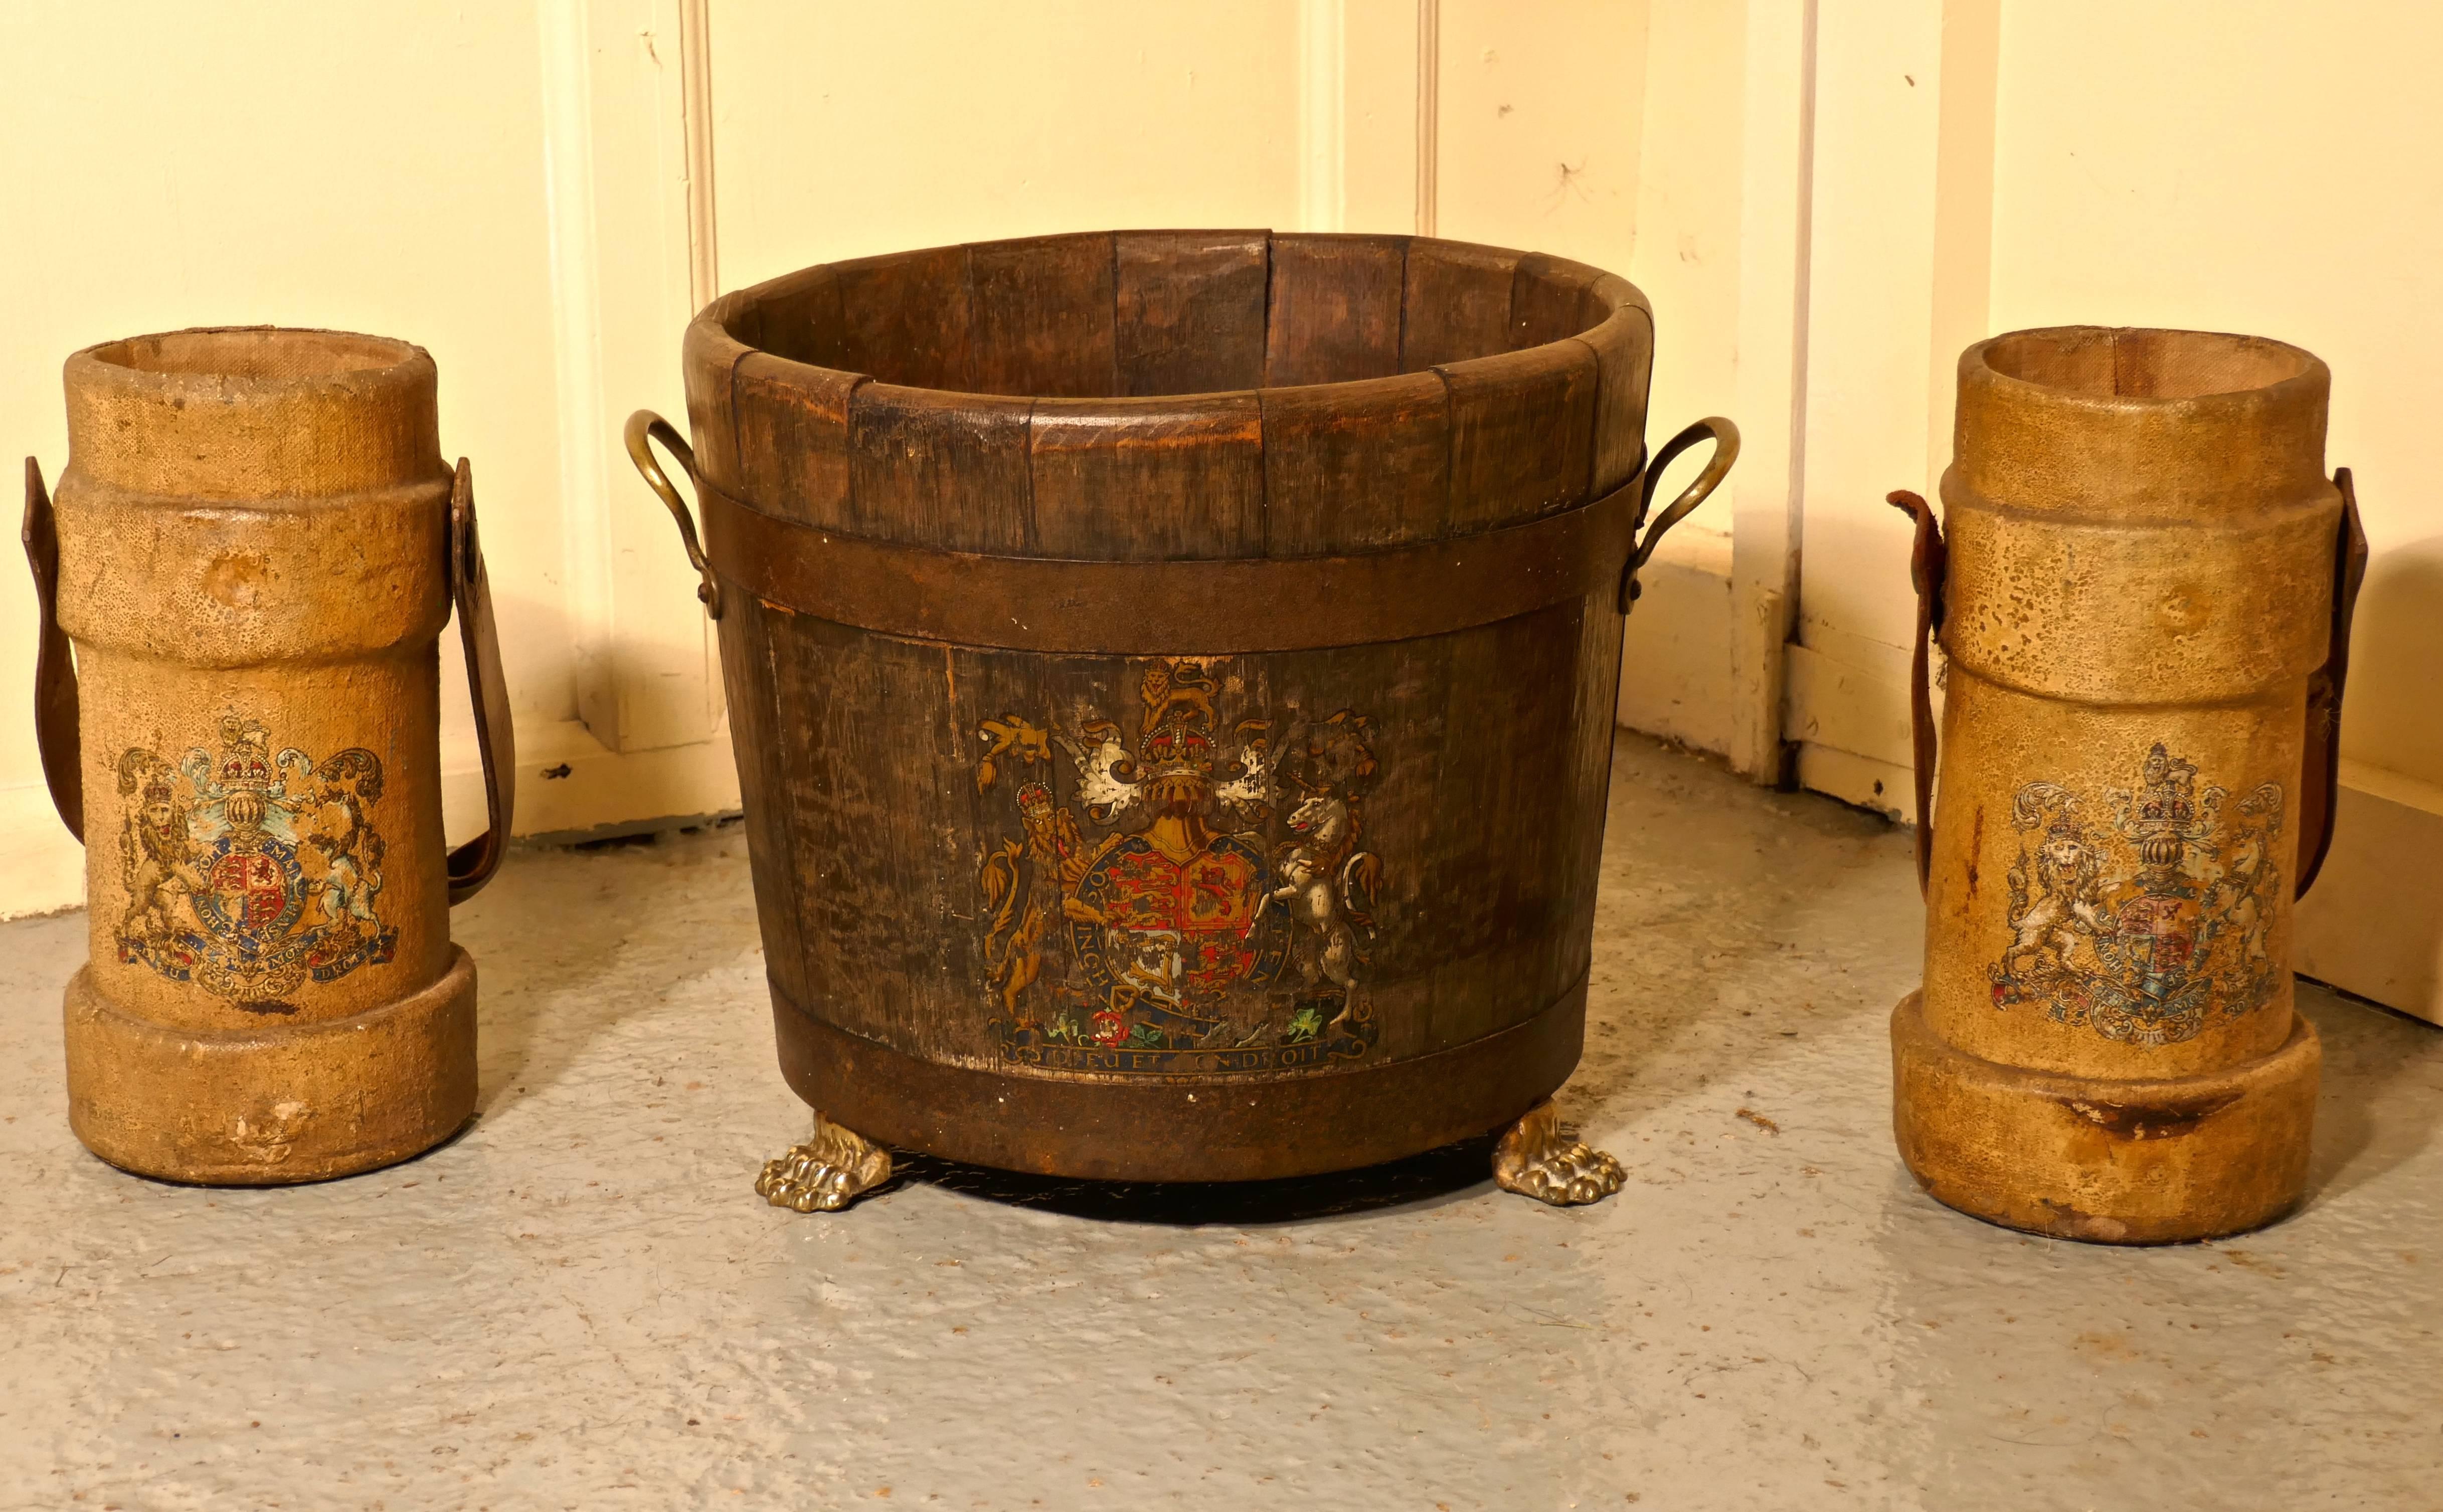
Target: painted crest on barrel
<point x="249" y="874"/>
<point x="1189" y="901"/>
<point x="2147" y="927"/>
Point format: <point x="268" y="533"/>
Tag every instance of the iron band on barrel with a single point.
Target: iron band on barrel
<point x="1040" y="604"/>
<point x="1224" y="1129"/>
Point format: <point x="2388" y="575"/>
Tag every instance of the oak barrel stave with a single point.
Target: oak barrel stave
<point x="1147" y="480"/>
<point x="1455" y="303"/>
<point x="1043" y="316"/>
<point x="873" y="799"/>
<point x="1188" y="311"/>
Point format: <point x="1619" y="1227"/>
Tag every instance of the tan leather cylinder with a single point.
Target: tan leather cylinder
<point x="2139" y="588"/>
<point x="253" y="545"/>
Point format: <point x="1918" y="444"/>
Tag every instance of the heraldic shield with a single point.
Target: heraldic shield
<point x="1200" y="903"/>
<point x="2146" y="928"/>
<point x="253" y="873"/>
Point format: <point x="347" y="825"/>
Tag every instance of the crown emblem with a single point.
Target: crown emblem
<point x="2166" y="818"/>
<point x="1178" y="730"/>
<point x="246" y="755"/>
<point x="2159" y="928"/>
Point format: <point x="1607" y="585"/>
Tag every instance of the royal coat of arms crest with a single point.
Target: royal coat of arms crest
<point x="252" y="873"/>
<point x="2147" y="927"/>
<point x="1191" y="902"/>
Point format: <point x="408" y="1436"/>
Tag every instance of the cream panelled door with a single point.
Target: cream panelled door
<point x="504" y="184"/>
<point x="1892" y="286"/>
<point x="576" y="177"/>
<point x="1981" y="167"/>
<point x="622" y="192"/>
<point x="841" y="131"/>
<point x="366" y="168"/>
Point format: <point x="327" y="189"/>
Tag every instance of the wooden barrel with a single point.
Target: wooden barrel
<point x="1173" y="678"/>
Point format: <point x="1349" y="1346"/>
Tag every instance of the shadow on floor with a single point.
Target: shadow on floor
<point x="1428" y="1179"/>
<point x="2363" y="1126"/>
<point x="572" y="939"/>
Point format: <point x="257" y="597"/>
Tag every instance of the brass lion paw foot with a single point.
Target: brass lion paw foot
<point x="827" y="1172"/>
<point x="1540" y="1157"/>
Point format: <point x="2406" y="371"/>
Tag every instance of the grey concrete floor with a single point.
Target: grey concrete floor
<point x="579" y="1303"/>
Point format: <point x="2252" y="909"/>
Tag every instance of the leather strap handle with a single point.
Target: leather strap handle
<point x="470" y="865"/>
<point x="55" y="679"/>
<point x="471" y="590"/>
<point x="1929" y="565"/>
<point x="2319" y="781"/>
<point x="645" y="428"/>
<point x="1725" y="437"/>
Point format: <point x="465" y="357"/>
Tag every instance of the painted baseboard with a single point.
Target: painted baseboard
<point x="1675" y="665"/>
<point x="42" y="868"/>
<point x="600" y="789"/>
<point x="568" y="784"/>
<point x="1847" y="708"/>
<point x="1886" y="787"/>
<point x="2373" y="924"/>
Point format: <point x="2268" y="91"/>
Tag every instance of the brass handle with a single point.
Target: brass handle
<point x="644" y="428"/>
<point x="1725" y="437"/>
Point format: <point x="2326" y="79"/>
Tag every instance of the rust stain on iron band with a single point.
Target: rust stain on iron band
<point x="1233" y="605"/>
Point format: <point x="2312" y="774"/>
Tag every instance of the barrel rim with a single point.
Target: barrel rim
<point x="1457" y="403"/>
<point x="716" y="323"/>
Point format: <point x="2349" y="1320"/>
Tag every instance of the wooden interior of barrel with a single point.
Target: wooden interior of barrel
<point x="1042" y="397"/>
